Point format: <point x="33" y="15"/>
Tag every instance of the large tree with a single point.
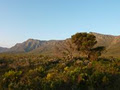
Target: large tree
<point x="84" y="42"/>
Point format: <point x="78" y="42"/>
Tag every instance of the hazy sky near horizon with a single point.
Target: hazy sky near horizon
<point x="56" y="19"/>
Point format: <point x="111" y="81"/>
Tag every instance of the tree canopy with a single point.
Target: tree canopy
<point x="85" y="43"/>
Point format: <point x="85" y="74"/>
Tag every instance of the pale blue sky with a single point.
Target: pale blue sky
<point x="56" y="19"/>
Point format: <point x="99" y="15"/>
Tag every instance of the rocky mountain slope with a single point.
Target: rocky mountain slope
<point x="26" y="46"/>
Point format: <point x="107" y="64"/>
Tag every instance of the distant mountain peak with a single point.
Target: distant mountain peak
<point x="31" y="39"/>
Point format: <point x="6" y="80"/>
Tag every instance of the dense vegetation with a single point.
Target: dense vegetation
<point x="38" y="72"/>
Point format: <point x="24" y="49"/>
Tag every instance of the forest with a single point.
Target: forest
<point x="87" y="70"/>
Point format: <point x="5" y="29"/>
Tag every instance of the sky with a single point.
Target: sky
<point x="56" y="19"/>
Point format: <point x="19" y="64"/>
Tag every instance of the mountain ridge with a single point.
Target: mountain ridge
<point x="111" y="42"/>
<point x="2" y="49"/>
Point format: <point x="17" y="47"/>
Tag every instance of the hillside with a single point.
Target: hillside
<point x="56" y="47"/>
<point x="26" y="46"/>
<point x="112" y="44"/>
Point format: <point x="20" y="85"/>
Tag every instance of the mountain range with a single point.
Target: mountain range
<point x="3" y="49"/>
<point x="55" y="47"/>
